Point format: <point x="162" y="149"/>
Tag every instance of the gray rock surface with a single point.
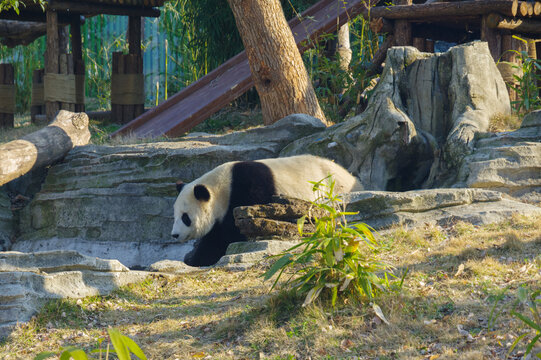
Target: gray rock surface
<point x="420" y="121"/>
<point x="382" y="209"/>
<point x="509" y="162"/>
<point x="134" y="254"/>
<point x="117" y="201"/>
<point x="242" y="255"/>
<point x="173" y="267"/>
<point x="28" y="281"/>
<point x="7" y="223"/>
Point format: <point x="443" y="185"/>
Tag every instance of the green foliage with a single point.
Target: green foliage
<point x="336" y="258"/>
<point x="526" y="86"/>
<point x="339" y="91"/>
<point x="123" y="345"/>
<point x="15" y="4"/>
<point x="532" y="301"/>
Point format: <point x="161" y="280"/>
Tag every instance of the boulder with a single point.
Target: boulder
<point x="420" y="121"/>
<point x="382" y="209"/>
<point x="117" y="201"/>
<point x="242" y="255"/>
<point x="28" y="281"/>
<point x="509" y="162"/>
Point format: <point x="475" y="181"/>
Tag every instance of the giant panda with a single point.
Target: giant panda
<point x="203" y="209"/>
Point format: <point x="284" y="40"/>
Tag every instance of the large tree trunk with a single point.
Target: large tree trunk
<point x="277" y="69"/>
<point x="43" y="147"/>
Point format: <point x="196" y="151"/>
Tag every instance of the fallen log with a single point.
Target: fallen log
<point x="43" y="147"/>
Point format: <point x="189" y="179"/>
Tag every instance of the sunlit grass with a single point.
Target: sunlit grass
<point x="455" y="273"/>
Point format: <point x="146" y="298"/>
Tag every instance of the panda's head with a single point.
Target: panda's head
<point x="192" y="211"/>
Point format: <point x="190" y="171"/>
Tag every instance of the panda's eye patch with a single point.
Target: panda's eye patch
<point x="186" y="219"/>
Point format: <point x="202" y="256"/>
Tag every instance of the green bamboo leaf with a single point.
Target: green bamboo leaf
<point x="118" y="344"/>
<point x="133" y="347"/>
<point x="280" y="263"/>
<point x="523" y="294"/>
<point x="334" y="296"/>
<point x="78" y="354"/>
<point x="532" y="343"/>
<point x="300" y="224"/>
<point x="312" y="295"/>
<point x="527" y="321"/>
<point x="515" y="343"/>
<point x="44" y="355"/>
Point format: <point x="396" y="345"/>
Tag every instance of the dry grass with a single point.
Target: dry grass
<point x="455" y="275"/>
<point x="501" y="122"/>
<point x="23" y="127"/>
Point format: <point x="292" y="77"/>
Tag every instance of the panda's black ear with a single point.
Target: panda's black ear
<point x="201" y="193"/>
<point x="180" y="185"/>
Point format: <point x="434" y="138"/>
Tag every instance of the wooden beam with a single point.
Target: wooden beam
<point x="444" y="33"/>
<point x="440" y="10"/>
<point x="95" y="9"/>
<point x="34" y="16"/>
<point x="525" y="26"/>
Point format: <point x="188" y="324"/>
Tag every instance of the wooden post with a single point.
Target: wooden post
<point x="116" y="109"/>
<point x="507" y="70"/>
<point x="51" y="58"/>
<point x="402" y="28"/>
<point x="429" y="46"/>
<point x="37" y="106"/>
<point x="134" y="35"/>
<point x="135" y="64"/>
<point x="78" y="63"/>
<point x="538" y="52"/>
<point x="492" y="37"/>
<point x="7" y="111"/>
<point x="131" y="63"/>
<point x="419" y="43"/>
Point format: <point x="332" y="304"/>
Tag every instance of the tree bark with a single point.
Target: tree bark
<point x="278" y="71"/>
<point x="43" y="147"/>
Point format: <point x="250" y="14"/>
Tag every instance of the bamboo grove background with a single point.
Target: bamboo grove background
<point x="188" y="40"/>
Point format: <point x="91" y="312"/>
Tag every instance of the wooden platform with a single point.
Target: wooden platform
<point x="201" y="99"/>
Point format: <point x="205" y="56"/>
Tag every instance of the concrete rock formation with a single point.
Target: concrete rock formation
<point x="28" y="281"/>
<point x="382" y="209"/>
<point x="117" y="201"/>
<point x="421" y="119"/>
<point x="509" y="162"/>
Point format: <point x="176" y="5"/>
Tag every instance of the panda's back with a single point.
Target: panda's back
<point x="254" y="182"/>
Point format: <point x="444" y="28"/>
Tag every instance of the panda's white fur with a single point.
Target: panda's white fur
<point x="290" y="176"/>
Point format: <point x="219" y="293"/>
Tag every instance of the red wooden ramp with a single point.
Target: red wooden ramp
<point x="224" y="84"/>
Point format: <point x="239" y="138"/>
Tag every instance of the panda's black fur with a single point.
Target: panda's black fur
<point x="251" y="183"/>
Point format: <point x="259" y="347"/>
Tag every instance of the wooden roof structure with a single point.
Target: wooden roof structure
<point x="61" y="83"/>
<point x="29" y="24"/>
